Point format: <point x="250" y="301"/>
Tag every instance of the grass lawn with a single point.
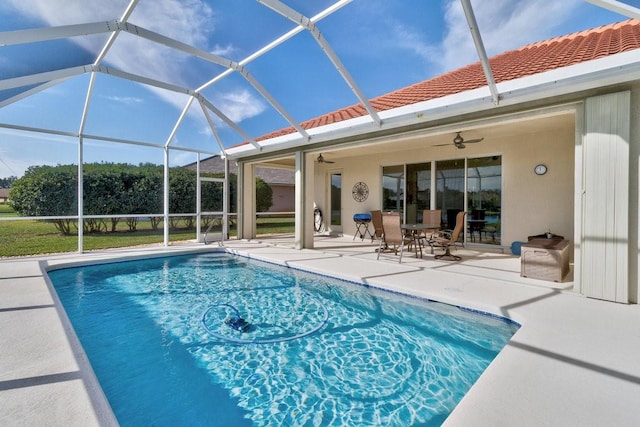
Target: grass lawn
<point x="38" y="237"/>
<point x="18" y="238"/>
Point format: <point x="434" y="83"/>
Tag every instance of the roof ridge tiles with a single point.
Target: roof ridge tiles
<point x="601" y="29"/>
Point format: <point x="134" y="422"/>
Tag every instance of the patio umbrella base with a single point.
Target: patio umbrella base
<point x="447" y="254"/>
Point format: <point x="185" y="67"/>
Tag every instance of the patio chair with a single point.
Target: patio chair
<point x="449" y="238"/>
<point x="493" y="229"/>
<point x="376" y="220"/>
<point x="431" y="216"/>
<point x="477" y="225"/>
<point x="392" y="234"/>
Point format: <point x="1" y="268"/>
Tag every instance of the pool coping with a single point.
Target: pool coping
<point x="572" y="362"/>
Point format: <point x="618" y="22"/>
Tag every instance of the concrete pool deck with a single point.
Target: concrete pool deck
<point x="574" y="361"/>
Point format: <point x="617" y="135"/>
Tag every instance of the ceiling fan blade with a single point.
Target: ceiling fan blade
<point x="321" y="159"/>
<point x="459" y="142"/>
<point x="473" y="141"/>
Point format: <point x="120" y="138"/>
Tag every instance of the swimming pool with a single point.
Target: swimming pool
<point x="317" y="351"/>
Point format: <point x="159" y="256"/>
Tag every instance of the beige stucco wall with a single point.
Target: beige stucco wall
<point x="531" y="204"/>
<point x="283" y="198"/>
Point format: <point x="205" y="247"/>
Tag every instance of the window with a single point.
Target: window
<point x="484" y="198"/>
<point x="393" y="188"/>
<point x="450" y="189"/>
<point x="418" y="191"/>
<point x="336" y="199"/>
<point x="474" y="185"/>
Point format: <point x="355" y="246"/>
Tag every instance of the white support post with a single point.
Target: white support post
<point x="123" y="19"/>
<point x="225" y="202"/>
<point x="166" y="196"/>
<point x="80" y="195"/>
<point x="246" y="201"/>
<point x="604" y="238"/>
<point x="618" y="7"/>
<point x="309" y="198"/>
<point x="198" y="199"/>
<point x="80" y="190"/>
<point x="296" y="17"/>
<point x="212" y="127"/>
<point x="299" y="233"/>
<point x="240" y="200"/>
<point x="482" y="53"/>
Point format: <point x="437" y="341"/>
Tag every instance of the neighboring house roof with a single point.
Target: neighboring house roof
<point x="4" y="193"/>
<point x="272" y="176"/>
<point x="528" y="60"/>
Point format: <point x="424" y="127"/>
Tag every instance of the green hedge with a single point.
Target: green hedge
<point x="118" y="189"/>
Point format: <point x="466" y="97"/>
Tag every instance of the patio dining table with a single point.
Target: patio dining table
<point x="415" y="231"/>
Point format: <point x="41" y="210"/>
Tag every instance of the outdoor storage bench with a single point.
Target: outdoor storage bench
<point x="545" y="259"/>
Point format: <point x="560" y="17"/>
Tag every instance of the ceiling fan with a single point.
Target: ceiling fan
<point x="321" y="159"/>
<point x="460" y="142"/>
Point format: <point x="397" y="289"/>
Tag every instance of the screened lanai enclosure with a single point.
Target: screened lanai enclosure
<point x="108" y="109"/>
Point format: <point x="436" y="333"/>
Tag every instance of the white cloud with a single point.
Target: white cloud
<point x="189" y="21"/>
<point x="65" y="12"/>
<point x="412" y="40"/>
<point x="129" y="100"/>
<point x="224" y="51"/>
<point x="239" y="105"/>
<point x="504" y="25"/>
<point x="180" y="158"/>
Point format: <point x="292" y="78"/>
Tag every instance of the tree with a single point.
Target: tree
<point x="145" y="195"/>
<point x="47" y="191"/>
<point x="6" y="182"/>
<point x="103" y="194"/>
<point x="119" y="189"/>
<point x="182" y="194"/>
<point x="264" y="195"/>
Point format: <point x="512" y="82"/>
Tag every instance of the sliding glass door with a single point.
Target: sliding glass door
<point x="484" y="199"/>
<point x="393" y="188"/>
<point x="335" y="202"/>
<point x="473" y="185"/>
<point x="450" y="189"/>
<point x="418" y="191"/>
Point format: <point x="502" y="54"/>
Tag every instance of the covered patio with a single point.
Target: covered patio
<point x="546" y="148"/>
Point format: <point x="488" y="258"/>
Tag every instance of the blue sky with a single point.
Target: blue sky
<point x="384" y="45"/>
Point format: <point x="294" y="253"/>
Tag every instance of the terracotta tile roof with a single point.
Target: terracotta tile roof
<point x="528" y="60"/>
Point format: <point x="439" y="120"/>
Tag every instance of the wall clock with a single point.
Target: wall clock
<point x="360" y="192"/>
<point x="540" y="169"/>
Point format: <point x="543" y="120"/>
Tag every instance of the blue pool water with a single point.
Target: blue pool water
<point x="317" y="352"/>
